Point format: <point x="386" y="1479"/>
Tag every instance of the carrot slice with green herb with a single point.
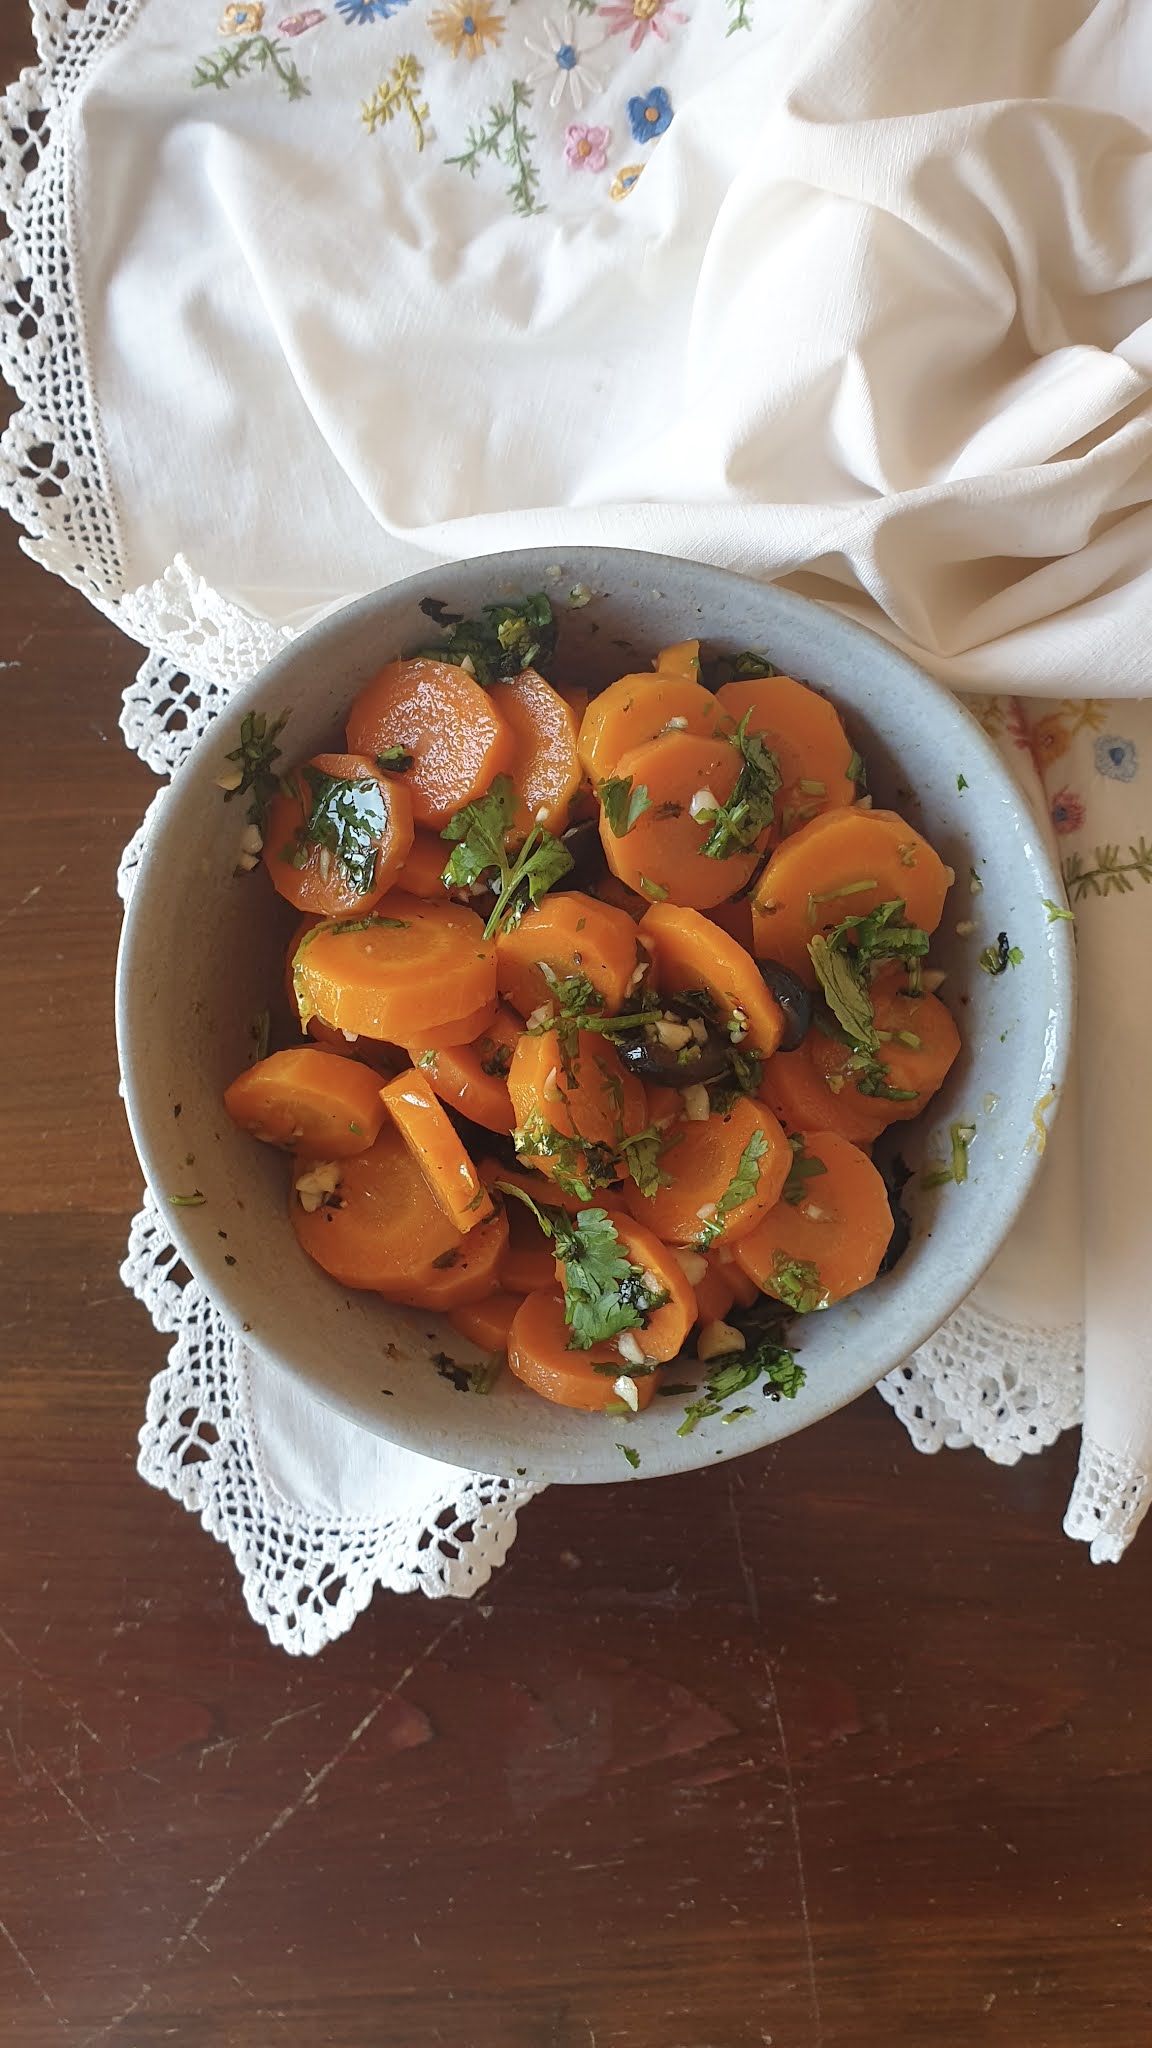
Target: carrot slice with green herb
<point x="545" y="764"/>
<point x="441" y="716"/>
<point x="312" y="1100"/>
<point x="424" y="1125"/>
<point x="567" y="935"/>
<point x="637" y="709"/>
<point x="826" y="1239"/>
<point x="337" y="834"/>
<point x="396" y="975"/>
<point x="487" y="1323"/>
<point x="690" y="953"/>
<point x="917" y="1041"/>
<point x="539" y="1354"/>
<point x="723" y="1174"/>
<point x="544" y="1192"/>
<point x="681" y="660"/>
<point x="672" y="825"/>
<point x="576" y="1109"/>
<point x="454" y="1037"/>
<point x="373" y="1222"/>
<point x="816" y="757"/>
<point x="844" y="864"/>
<point x="474" y="1077"/>
<point x="664" y="1328"/>
<point x="798" y="1093"/>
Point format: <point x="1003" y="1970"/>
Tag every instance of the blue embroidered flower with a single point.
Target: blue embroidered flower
<point x="1116" y="758"/>
<point x="650" y="115"/>
<point x="369" y="10"/>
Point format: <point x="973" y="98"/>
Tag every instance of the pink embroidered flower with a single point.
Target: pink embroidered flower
<point x="297" y="24"/>
<point x="1067" y="811"/>
<point x="640" y="16"/>
<point x="586" y="149"/>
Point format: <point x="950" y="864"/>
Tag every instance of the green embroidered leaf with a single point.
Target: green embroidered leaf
<point x="505" y="139"/>
<point x="235" y="60"/>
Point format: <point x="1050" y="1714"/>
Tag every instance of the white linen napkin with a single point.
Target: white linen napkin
<point x="852" y="294"/>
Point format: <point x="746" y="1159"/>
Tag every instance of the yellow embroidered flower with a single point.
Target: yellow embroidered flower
<point x="242" y="18"/>
<point x="624" y="180"/>
<point x="1050" y="739"/>
<point x="467" y="25"/>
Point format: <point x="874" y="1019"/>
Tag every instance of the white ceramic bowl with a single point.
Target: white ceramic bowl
<point x="202" y="951"/>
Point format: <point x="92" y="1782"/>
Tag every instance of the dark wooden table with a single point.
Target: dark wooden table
<point x="840" y="1746"/>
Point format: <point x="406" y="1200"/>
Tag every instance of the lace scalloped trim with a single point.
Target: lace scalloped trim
<point x="1109" y="1501"/>
<point x="53" y="476"/>
<point x="1007" y="1389"/>
<point x="306" y="1577"/>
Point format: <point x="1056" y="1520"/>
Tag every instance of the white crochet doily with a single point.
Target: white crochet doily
<point x="1005" y="1389"/>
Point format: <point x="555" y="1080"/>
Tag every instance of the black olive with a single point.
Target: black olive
<point x="583" y="842"/>
<point x="896" y="1174"/>
<point x="794" y="999"/>
<point x="655" y="1062"/>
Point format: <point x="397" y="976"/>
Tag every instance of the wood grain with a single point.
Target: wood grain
<point x="841" y="1748"/>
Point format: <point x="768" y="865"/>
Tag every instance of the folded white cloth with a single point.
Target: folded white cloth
<point x="853" y="294"/>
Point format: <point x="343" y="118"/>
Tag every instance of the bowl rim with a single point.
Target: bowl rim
<point x="842" y="634"/>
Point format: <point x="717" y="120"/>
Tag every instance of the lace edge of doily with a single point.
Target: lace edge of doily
<point x="1109" y="1500"/>
<point x="53" y="470"/>
<point x="1005" y="1388"/>
<point x="305" y="1576"/>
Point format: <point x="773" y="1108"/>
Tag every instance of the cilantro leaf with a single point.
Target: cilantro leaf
<point x="477" y="834"/>
<point x="504" y="641"/>
<point x="999" y="958"/>
<point x="845" y="959"/>
<point x="632" y="1456"/>
<point x="641" y="1155"/>
<point x="347" y="820"/>
<point x="797" y="1283"/>
<point x="956" y="1170"/>
<point x="746" y="667"/>
<point x="580" y="1166"/>
<point x="768" y="1361"/>
<point x="802" y="1170"/>
<point x="604" y="1293"/>
<point x="1058" y="913"/>
<point x="395" y="761"/>
<point x="751" y="807"/>
<point x="621" y="803"/>
<point x="740" y="1189"/>
<point x="253" y="773"/>
<point x="845" y="993"/>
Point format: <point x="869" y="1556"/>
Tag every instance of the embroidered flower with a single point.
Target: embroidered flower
<point x="624" y="180"/>
<point x="296" y="24"/>
<point x="1049" y="740"/>
<point x="466" y="27"/>
<point x="586" y="149"/>
<point x="368" y="10"/>
<point x="1116" y="758"/>
<point x="641" y="16"/>
<point x="1068" y="811"/>
<point x="562" y="61"/>
<point x="650" y="114"/>
<point x="242" y="20"/>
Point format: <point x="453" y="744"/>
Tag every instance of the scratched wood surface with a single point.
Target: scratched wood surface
<point x="842" y="1747"/>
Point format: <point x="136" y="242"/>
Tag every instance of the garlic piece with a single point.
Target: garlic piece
<point x="551" y="1089"/>
<point x="629" y="1349"/>
<point x="231" y="778"/>
<point x="625" y="1388"/>
<point x="702" y="801"/>
<point x="696" y="1105"/>
<point x="692" y="1265"/>
<point x="251" y="839"/>
<point x="719" y="1340"/>
<point x="673" y="1036"/>
<point x="319" y="1182"/>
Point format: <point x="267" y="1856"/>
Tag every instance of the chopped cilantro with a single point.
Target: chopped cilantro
<point x="655" y="891"/>
<point x="751" y="808"/>
<point x="622" y="804"/>
<point x="747" y="667"/>
<point x="999" y="958"/>
<point x="957" y="1168"/>
<point x="192" y="1201"/>
<point x="768" y="1360"/>
<point x="604" y="1293"/>
<point x="797" y="1283"/>
<point x="504" y="641"/>
<point x="845" y="960"/>
<point x="856" y="771"/>
<point x="961" y="782"/>
<point x="739" y="1190"/>
<point x="802" y="1170"/>
<point x="253" y="762"/>
<point x="632" y="1456"/>
<point x="477" y="835"/>
<point x="395" y="761"/>
<point x="641" y="1156"/>
<point x="347" y="820"/>
<point x="578" y="1166"/>
<point x="1057" y="913"/>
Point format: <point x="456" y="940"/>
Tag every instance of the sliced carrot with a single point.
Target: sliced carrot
<point x="573" y="1114"/>
<point x="707" y="1164"/>
<point x="545" y="764"/>
<point x="797" y="1092"/>
<point x="744" y="1291"/>
<point x="474" y="1077"/>
<point x="380" y="1227"/>
<point x="828" y="1244"/>
<point x="637" y="708"/>
<point x="351" y="792"/>
<point x="661" y="856"/>
<point x="664" y="1330"/>
<point x="735" y="918"/>
<point x="606" y="889"/>
<point x="691" y="953"/>
<point x="488" y="1322"/>
<point x="919" y="1042"/>
<point x="804" y="732"/>
<point x="442" y="717"/>
<point x="715" y="1294"/>
<point x="452" y="1037"/>
<point x="528" y="1262"/>
<point x="844" y="865"/>
<point x="310" y="1099"/>
<point x="568" y="933"/>
<point x="542" y="1190"/>
<point x="681" y="660"/>
<point x="419" y="965"/>
<point x="538" y="1354"/>
<point x="423" y="1123"/>
<point x="423" y="870"/>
